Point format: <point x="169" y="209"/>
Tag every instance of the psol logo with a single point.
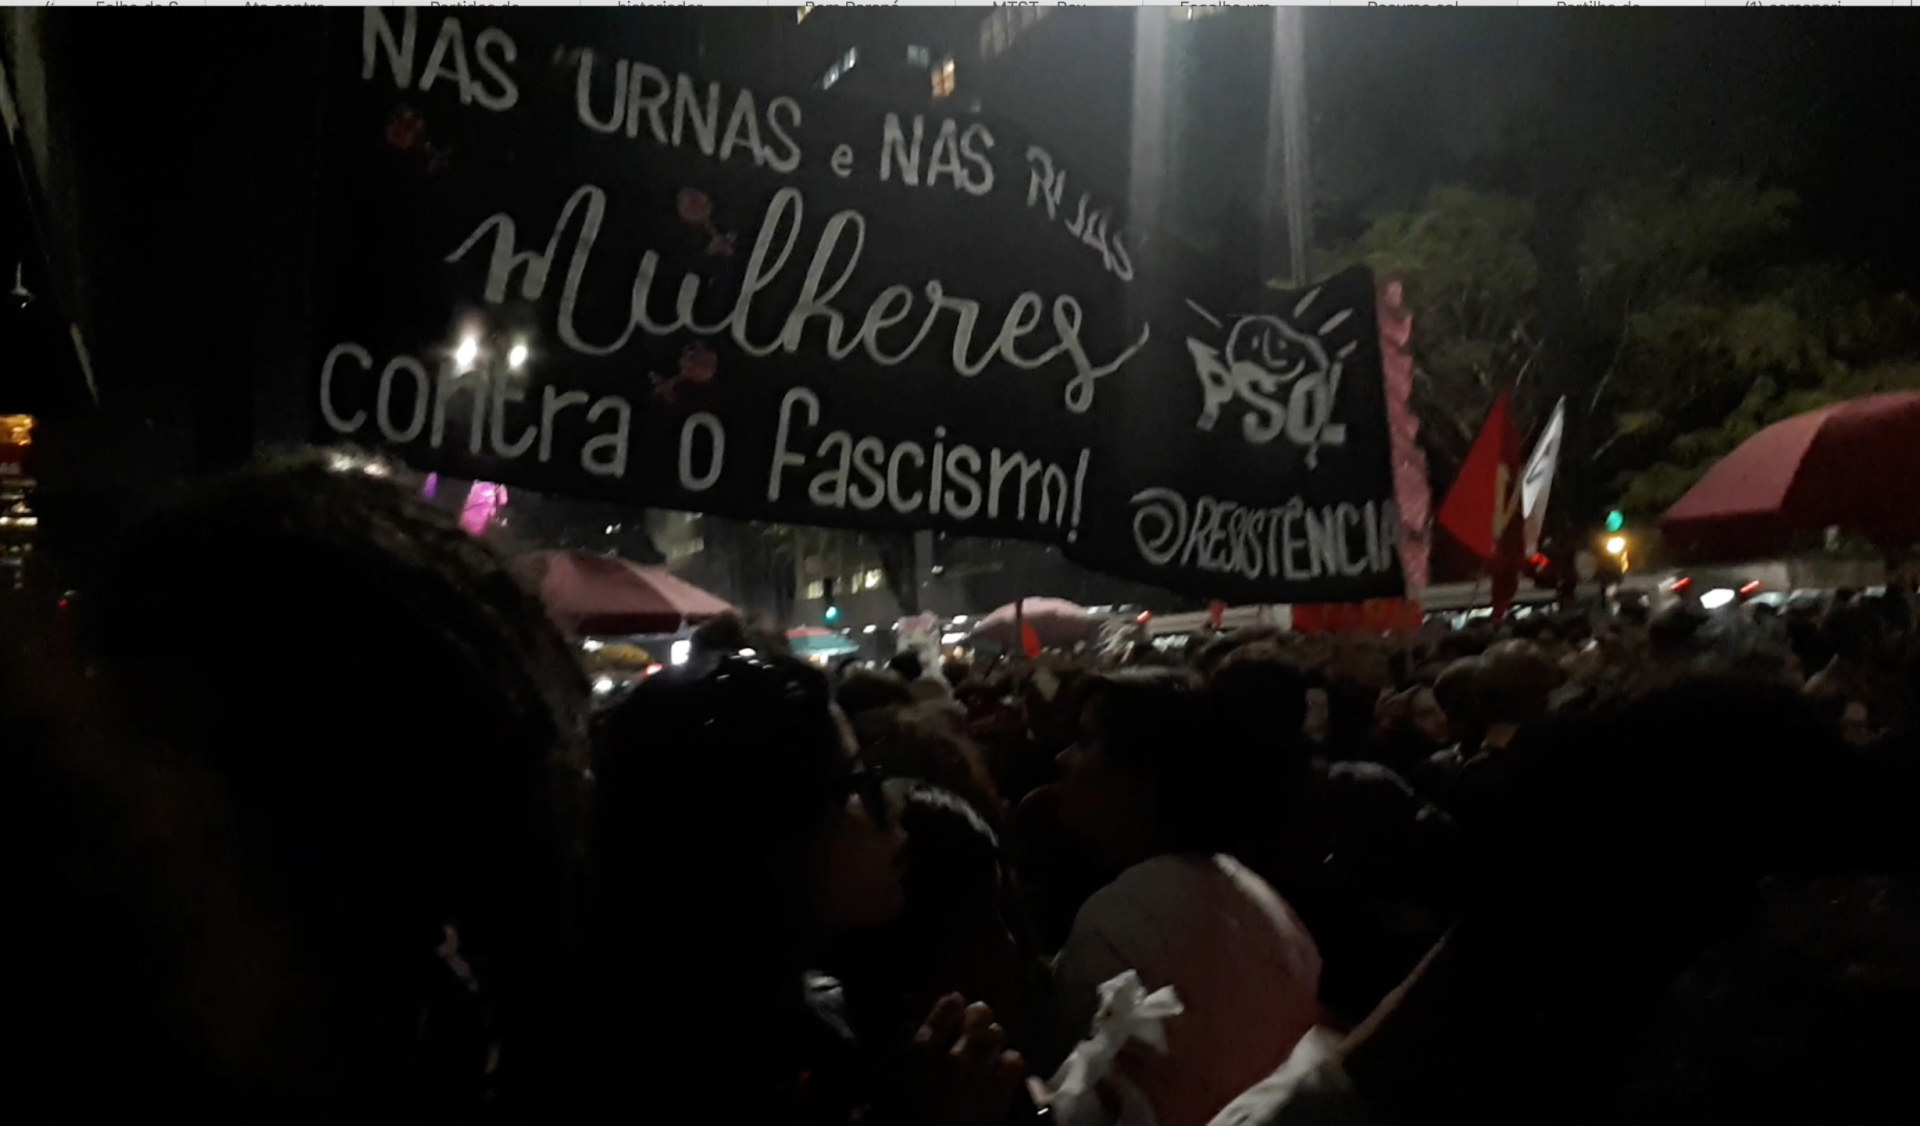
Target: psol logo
<point x="1282" y="375"/>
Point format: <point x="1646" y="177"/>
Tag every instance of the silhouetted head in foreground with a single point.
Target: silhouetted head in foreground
<point x="388" y="721"/>
<point x="1808" y="1014"/>
<point x="733" y="833"/>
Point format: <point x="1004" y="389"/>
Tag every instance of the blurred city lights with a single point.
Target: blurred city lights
<point x="468" y="351"/>
<point x="517" y="356"/>
<point x="1716" y="598"/>
<point x="1616" y="545"/>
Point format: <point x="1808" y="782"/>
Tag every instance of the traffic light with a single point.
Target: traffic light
<point x="1616" y="520"/>
<point x="826" y="592"/>
<point x="833" y="613"/>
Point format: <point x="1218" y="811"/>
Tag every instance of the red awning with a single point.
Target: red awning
<point x="1854" y="465"/>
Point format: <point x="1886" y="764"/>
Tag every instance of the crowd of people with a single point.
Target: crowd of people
<point x="312" y="818"/>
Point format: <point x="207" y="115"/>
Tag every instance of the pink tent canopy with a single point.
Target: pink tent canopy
<point x="1055" y="620"/>
<point x="588" y="594"/>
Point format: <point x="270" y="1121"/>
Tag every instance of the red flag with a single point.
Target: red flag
<point x="1482" y="510"/>
<point x="1029" y="637"/>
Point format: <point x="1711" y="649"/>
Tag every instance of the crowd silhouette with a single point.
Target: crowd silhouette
<point x="311" y="818"/>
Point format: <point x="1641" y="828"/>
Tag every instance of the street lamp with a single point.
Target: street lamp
<point x="1617" y="546"/>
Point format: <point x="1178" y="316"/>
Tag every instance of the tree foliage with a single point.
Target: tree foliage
<point x="1657" y="487"/>
<point x="1472" y="281"/>
<point x="1714" y="324"/>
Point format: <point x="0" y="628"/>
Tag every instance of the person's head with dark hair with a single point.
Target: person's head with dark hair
<point x="1516" y="683"/>
<point x="1530" y="628"/>
<point x="1216" y="650"/>
<point x="1156" y="772"/>
<point x="954" y="883"/>
<point x="907" y="666"/>
<point x="392" y="718"/>
<point x="1809" y="1014"/>
<point x="121" y="899"/>
<point x="718" y="636"/>
<point x="1265" y="691"/>
<point x="923" y="744"/>
<point x="1910" y="682"/>
<point x="868" y="698"/>
<point x="1460" y="646"/>
<point x="1461" y="695"/>
<point x="1851" y="631"/>
<point x="733" y="832"/>
<point x="1351" y="707"/>
<point x="1722" y="778"/>
<point x="957" y="673"/>
<point x="1893" y="611"/>
<point x="978" y="697"/>
<point x="1673" y="630"/>
<point x="1621" y="845"/>
<point x="952" y="936"/>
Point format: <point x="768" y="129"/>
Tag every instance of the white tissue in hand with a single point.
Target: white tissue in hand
<point x="1127" y="1013"/>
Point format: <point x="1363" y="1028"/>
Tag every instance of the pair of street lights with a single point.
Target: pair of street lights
<point x="467" y="353"/>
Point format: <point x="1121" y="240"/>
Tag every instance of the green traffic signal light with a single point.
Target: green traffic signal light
<point x="1616" y="520"/>
<point x="833" y="613"/>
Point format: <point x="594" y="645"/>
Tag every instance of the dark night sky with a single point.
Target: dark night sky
<point x="1820" y="101"/>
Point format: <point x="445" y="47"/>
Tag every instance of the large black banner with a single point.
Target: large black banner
<point x="552" y="263"/>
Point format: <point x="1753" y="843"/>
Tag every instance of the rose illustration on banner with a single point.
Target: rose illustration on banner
<point x="698" y="363"/>
<point x="694" y="207"/>
<point x="405" y="129"/>
<point x="696" y="210"/>
<point x="1272" y="351"/>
